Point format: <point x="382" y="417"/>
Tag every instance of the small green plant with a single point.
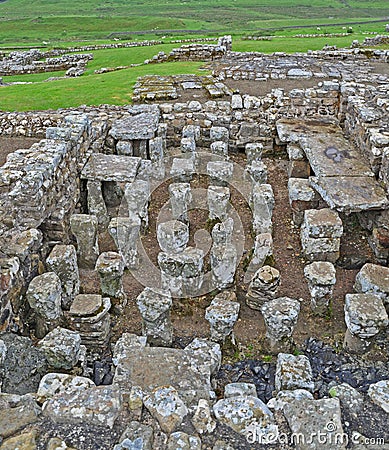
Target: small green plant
<point x="297" y="352"/>
<point x="267" y="358"/>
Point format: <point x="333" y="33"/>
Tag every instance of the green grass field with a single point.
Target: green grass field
<point x="51" y="20"/>
<point x="50" y="23"/>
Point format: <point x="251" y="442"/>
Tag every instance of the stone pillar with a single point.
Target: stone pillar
<point x="154" y="307"/>
<point x="218" y="200"/>
<point x="365" y="317"/>
<point x="84" y="228"/>
<point x="262" y="255"/>
<point x="223" y="259"/>
<point x="320" y="234"/>
<point x="156" y="151"/>
<point x="96" y="203"/>
<point x="280" y="317"/>
<point x="191" y="131"/>
<point x="89" y="316"/>
<point x="44" y="295"/>
<point x="180" y="198"/>
<point x="188" y="145"/>
<point x="220" y="172"/>
<point x="182" y="169"/>
<point x="222" y="232"/>
<point x="301" y="197"/>
<point x="262" y="207"/>
<point x="110" y="267"/>
<point x="182" y="273"/>
<point x="125" y="232"/>
<point x="219" y="134"/>
<point x="373" y="279"/>
<point x="222" y="315"/>
<point x="172" y="236"/>
<point x="137" y="195"/>
<point x="63" y="261"/>
<point x="321" y="277"/>
<point x="263" y="287"/>
<point x="220" y="149"/>
<point x="253" y="152"/>
<point x="256" y="172"/>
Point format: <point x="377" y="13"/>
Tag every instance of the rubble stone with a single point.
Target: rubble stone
<point x="84" y="228"/>
<point x="154" y="307"/>
<point x="61" y="348"/>
<point x="293" y="372"/>
<point x="222" y="315"/>
<point x="166" y="406"/>
<point x="379" y="394"/>
<point x="373" y="279"/>
<point x="62" y="260"/>
<point x="280" y="317"/>
<point x="263" y="287"/>
<point x="365" y="317"/>
<point x="172" y="236"/>
<point x="202" y="419"/>
<point x="182" y="441"/>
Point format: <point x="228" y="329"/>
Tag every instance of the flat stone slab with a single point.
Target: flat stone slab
<point x="103" y="167"/>
<point x="86" y="305"/>
<point x="350" y="194"/>
<point x="327" y="150"/>
<point x="139" y="126"/>
<point x="151" y="367"/>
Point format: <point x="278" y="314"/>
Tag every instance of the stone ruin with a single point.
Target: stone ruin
<point x="78" y="207"/>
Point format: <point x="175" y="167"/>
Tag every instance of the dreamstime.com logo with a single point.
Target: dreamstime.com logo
<point x="328" y="436"/>
<point x="240" y="183"/>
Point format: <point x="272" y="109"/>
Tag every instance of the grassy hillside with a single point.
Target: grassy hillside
<point x="43" y="20"/>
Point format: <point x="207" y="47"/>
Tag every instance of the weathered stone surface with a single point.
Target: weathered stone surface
<point x="202" y="419"/>
<point x="205" y="356"/>
<point x="293" y="372"/>
<point x="245" y="415"/>
<point x="349" y="397"/>
<point x="96" y="203"/>
<point x="24" y="441"/>
<point x="61" y="348"/>
<point x="89" y="316"/>
<point x="253" y="152"/>
<point x="318" y="422"/>
<point x="58" y="444"/>
<point x="280" y="317"/>
<point x="220" y="149"/>
<point x="166" y="406"/>
<point x="373" y="279"/>
<point x="256" y="172"/>
<point x="16" y="412"/>
<point x="137" y="195"/>
<point x="101" y="167"/>
<point x="224" y="259"/>
<point x="262" y="207"/>
<point x="365" y="317"/>
<point x="350" y="194"/>
<point x="240" y="390"/>
<point x="182" y="169"/>
<point x="23" y="365"/>
<point x="321" y="277"/>
<point x="219" y="134"/>
<point x="182" y="441"/>
<point x="175" y="368"/>
<point x="181" y="273"/>
<point x="172" y="236"/>
<point x="44" y="295"/>
<point x="222" y="315"/>
<point x="84" y="228"/>
<point x="220" y="172"/>
<point x="222" y="232"/>
<point x="218" y="199"/>
<point x="379" y="394"/>
<point x="188" y="145"/>
<point x="180" y="198"/>
<point x="110" y="267"/>
<point x="62" y="260"/>
<point x="136" y="436"/>
<point x="56" y="384"/>
<point x="154" y="307"/>
<point x="284" y="397"/>
<point x="141" y="124"/>
<point x="262" y="252"/>
<point x="125" y="232"/>
<point x="263" y="286"/>
<point x="301" y="197"/>
<point x="96" y="406"/>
